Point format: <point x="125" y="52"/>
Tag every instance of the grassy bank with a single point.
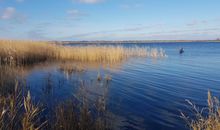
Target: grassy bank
<point x="29" y="52"/>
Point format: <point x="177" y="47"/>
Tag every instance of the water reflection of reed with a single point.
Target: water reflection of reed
<point x="91" y="115"/>
<point x="86" y="110"/>
<point x="69" y="69"/>
<point x="8" y="75"/>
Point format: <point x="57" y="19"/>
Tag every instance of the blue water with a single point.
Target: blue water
<point x="144" y="93"/>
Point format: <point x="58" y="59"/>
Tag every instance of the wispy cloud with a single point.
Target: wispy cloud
<point x="14" y="0"/>
<point x="20" y="1"/>
<point x="11" y="14"/>
<point x="3" y="29"/>
<point x="75" y="14"/>
<point x="131" y="6"/>
<point x="131" y="29"/>
<point x="89" y="1"/>
<point x="39" y="31"/>
<point x="37" y="34"/>
<point x="8" y="13"/>
<point x="196" y="23"/>
<point x="193" y="23"/>
<point x="154" y="35"/>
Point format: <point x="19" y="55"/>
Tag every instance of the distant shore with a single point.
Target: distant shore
<point x="132" y="41"/>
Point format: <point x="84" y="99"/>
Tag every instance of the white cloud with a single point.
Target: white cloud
<point x="8" y="13"/>
<point x="89" y="1"/>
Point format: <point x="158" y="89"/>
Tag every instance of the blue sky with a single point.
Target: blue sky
<point x="110" y="19"/>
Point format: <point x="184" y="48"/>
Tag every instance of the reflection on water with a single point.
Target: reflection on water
<point x="141" y="93"/>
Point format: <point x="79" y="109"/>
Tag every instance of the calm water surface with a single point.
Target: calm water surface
<point x="144" y="93"/>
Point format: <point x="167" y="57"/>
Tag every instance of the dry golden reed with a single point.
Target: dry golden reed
<point x="206" y="118"/>
<point x="18" y="112"/>
<point x="29" y="52"/>
<point x="25" y="52"/>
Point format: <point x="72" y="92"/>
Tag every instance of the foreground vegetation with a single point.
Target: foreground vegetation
<point x="206" y="118"/>
<point x="29" y="52"/>
<point x="18" y="112"/>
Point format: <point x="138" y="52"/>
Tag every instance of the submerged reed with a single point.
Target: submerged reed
<point x="29" y="52"/>
<point x="206" y="118"/>
<point x="18" y="112"/>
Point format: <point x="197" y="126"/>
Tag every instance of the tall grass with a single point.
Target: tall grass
<point x="7" y="79"/>
<point x="25" y="52"/>
<point x="206" y="118"/>
<point x="18" y="112"/>
<point x="29" y="52"/>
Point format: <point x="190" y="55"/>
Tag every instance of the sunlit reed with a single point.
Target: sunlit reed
<point x="29" y="52"/>
<point x="18" y="112"/>
<point x="205" y="118"/>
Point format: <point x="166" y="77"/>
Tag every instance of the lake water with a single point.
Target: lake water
<point x="144" y="93"/>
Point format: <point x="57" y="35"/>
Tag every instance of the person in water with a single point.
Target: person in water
<point x="181" y="51"/>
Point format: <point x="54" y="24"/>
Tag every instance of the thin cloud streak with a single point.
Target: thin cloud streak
<point x="134" y="29"/>
<point x="130" y="6"/>
<point x="8" y="13"/>
<point x="20" y="1"/>
<point x="89" y="1"/>
<point x="11" y="14"/>
<point x="155" y="35"/>
<point x="75" y="14"/>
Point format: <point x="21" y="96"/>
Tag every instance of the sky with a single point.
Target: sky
<point x="110" y="19"/>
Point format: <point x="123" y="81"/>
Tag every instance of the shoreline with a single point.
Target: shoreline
<point x="134" y="41"/>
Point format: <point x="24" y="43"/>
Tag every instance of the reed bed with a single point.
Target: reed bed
<point x="25" y="52"/>
<point x="19" y="112"/>
<point x="205" y="118"/>
<point x="29" y="52"/>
